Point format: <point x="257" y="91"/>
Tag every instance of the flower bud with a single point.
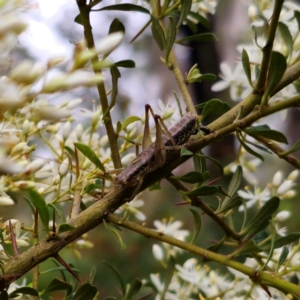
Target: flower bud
<point x="277" y="179"/>
<point x="109" y="43"/>
<point x="27" y="72"/>
<point x="20" y="149"/>
<point x="64" y="167"/>
<point x="34" y="166"/>
<point x="6" y="201"/>
<point x="23" y="185"/>
<point x="66" y="130"/>
<point x="55" y="61"/>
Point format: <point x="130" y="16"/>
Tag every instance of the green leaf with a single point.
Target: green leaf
<point x="246" y="66"/>
<point x="276" y="70"/>
<point x="64" y="227"/>
<point x="205" y="191"/>
<point x="191" y="177"/>
<point x="249" y="247"/>
<point x="41" y="206"/>
<point x="118" y="276"/>
<point x="155" y="186"/>
<point x="197" y="224"/>
<point x="57" y="285"/>
<point x="127" y="63"/>
<point x="215" y="161"/>
<point x="200" y="19"/>
<point x="186" y="6"/>
<point x="255" y="36"/>
<point x="215" y="247"/>
<point x="297" y="17"/>
<point x="249" y="150"/>
<point x="24" y="290"/>
<point x="125" y="7"/>
<point x="115" y="75"/>
<point x="283" y="255"/>
<point x="85" y="292"/>
<point x="262" y="217"/>
<point x="286" y="36"/>
<point x="281" y="241"/>
<point x="158" y="33"/>
<point x="129" y="120"/>
<point x="134" y="289"/>
<point x="78" y="20"/>
<point x="265" y="131"/>
<point x="235" y="180"/>
<point x="29" y="202"/>
<point x="294" y="148"/>
<point x="202" y="37"/>
<point x="213" y="106"/>
<point x="229" y="204"/>
<point x="170" y="38"/>
<point x="92" y="274"/>
<point x="185" y="152"/>
<point x="59" y="213"/>
<point x="114" y="233"/>
<point x="91" y="155"/>
<point x="116" y="26"/>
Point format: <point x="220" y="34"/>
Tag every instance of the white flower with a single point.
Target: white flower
<point x="255" y="197"/>
<point x="132" y="208"/>
<point x="171" y="228"/>
<point x="191" y="272"/>
<point x="157" y="252"/>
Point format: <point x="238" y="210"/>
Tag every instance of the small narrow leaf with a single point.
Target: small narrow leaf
<point x="191" y="177"/>
<point x="229" y="204"/>
<point x="41" y="206"/>
<point x="128" y="63"/>
<point x="281" y="241"/>
<point x="134" y="288"/>
<point x="202" y="37"/>
<point x="118" y="276"/>
<point x="197" y="225"/>
<point x="261" y="219"/>
<point x="85" y="292"/>
<point x="158" y="33"/>
<point x="186" y="6"/>
<point x="297" y="16"/>
<point x="204" y="191"/>
<point x="214" y="106"/>
<point x="246" y="66"/>
<point x="125" y="7"/>
<point x="276" y="71"/>
<point x="115" y="233"/>
<point x="286" y="36"/>
<point x="64" y="227"/>
<point x="200" y="19"/>
<point x="185" y="152"/>
<point x="265" y="131"/>
<point x="116" y="26"/>
<point x="249" y="150"/>
<point x="24" y="290"/>
<point x="91" y="155"/>
<point x="283" y="255"/>
<point x="235" y="180"/>
<point x="170" y="38"/>
<point x="294" y="148"/>
<point x="57" y="285"/>
<point x="128" y="121"/>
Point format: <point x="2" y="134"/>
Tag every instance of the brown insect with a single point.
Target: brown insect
<point x="154" y="156"/>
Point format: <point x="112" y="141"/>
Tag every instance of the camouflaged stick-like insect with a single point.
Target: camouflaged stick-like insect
<point x="155" y="155"/>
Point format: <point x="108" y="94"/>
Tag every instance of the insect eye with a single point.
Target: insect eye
<point x="195" y="131"/>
